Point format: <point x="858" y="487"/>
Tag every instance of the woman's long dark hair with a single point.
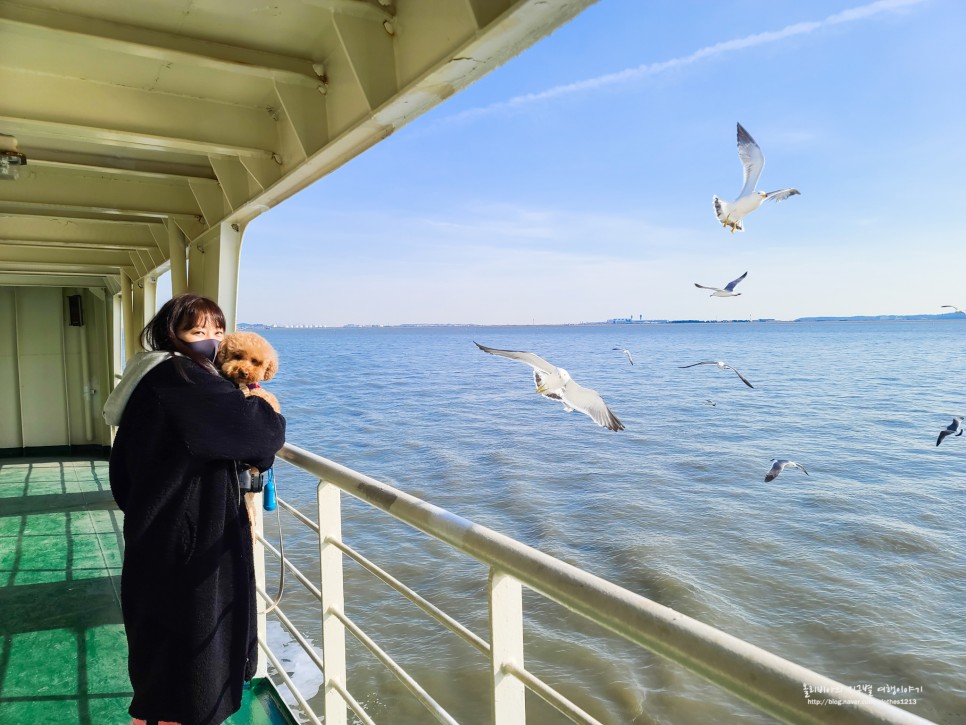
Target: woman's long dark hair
<point x="176" y="315"/>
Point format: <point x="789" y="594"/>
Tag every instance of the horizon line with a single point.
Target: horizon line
<point x="911" y="317"/>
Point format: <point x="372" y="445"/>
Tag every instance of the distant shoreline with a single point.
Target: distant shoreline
<point x="950" y="316"/>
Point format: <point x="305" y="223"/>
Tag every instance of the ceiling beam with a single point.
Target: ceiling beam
<point x="74" y="187"/>
<point x="365" y="9"/>
<point x="100" y="164"/>
<point x="74" y="246"/>
<point x="156" y="45"/>
<point x="38" y="209"/>
<point x="192" y="224"/>
<point x="50" y="279"/>
<point x="56" y="268"/>
<point x="56" y="229"/>
<point x="53" y="255"/>
<point x="124" y="139"/>
<point x="368" y="49"/>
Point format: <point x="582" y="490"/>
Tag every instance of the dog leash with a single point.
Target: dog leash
<point x="270" y="503"/>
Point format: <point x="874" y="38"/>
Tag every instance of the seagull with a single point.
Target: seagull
<point x="710" y="402"/>
<point x="953" y="429"/>
<point x="729" y="289"/>
<point x="955" y="309"/>
<point x="779" y="465"/>
<point x="555" y="383"/>
<point x="730" y="214"/>
<point x="627" y="354"/>
<point x="721" y="366"/>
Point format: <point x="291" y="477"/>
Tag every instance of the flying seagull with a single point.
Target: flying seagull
<point x="779" y="465"/>
<point x="555" y="383"/>
<point x="730" y="214"/>
<point x="729" y="289"/>
<point x="627" y="354"/>
<point x="721" y="366"/>
<point x="955" y="309"/>
<point x="953" y="429"/>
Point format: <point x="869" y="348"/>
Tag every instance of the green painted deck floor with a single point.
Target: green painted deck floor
<point x="63" y="656"/>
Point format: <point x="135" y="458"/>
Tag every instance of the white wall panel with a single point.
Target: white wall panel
<point x="40" y="324"/>
<point x="10" y="433"/>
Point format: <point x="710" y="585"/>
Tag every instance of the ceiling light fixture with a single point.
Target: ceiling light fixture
<point x="10" y="159"/>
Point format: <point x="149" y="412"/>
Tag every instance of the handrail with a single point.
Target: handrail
<point x="551" y="696"/>
<point x="770" y="683"/>
<point x="304" y="580"/>
<point x="431" y="609"/>
<point x="404" y="677"/>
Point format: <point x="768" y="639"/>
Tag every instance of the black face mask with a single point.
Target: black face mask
<point x="205" y="348"/>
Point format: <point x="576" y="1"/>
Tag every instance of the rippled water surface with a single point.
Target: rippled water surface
<point x="857" y="570"/>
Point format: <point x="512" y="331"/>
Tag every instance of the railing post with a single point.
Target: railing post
<point x="333" y="600"/>
<point x="506" y="646"/>
<point x="258" y="552"/>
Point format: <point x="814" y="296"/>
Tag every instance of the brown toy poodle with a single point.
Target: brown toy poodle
<point x="246" y="359"/>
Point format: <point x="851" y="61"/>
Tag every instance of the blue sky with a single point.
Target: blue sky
<point x="574" y="183"/>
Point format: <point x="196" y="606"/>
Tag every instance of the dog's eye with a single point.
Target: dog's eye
<point x="256" y="363"/>
<point x="236" y="356"/>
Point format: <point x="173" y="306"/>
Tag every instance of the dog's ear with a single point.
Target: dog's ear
<point x="222" y="352"/>
<point x="271" y="367"/>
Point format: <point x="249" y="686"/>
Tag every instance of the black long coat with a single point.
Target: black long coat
<point x="187" y="584"/>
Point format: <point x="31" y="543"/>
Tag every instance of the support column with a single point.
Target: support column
<point x="150" y="286"/>
<point x="228" y="263"/>
<point x="127" y="317"/>
<point x="213" y="268"/>
<point x="179" y="262"/>
<point x="258" y="525"/>
<point x="137" y="303"/>
<point x="196" y="264"/>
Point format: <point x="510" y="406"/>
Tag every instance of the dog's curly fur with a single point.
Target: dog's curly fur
<point x="247" y="358"/>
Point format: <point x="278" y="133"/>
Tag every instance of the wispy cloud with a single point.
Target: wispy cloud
<point x="851" y="15"/>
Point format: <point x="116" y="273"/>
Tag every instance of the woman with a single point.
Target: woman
<point x="187" y="584"/>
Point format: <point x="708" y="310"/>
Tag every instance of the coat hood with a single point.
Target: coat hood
<point x="139" y="366"/>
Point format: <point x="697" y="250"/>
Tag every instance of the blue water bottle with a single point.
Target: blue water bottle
<point x="268" y="496"/>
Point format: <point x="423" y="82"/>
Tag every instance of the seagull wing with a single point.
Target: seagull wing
<point x="701" y="286"/>
<point x="752" y="160"/>
<point x="703" y="362"/>
<point x="743" y="378"/>
<point x="730" y="287"/>
<point x="629" y="358"/>
<point x="528" y="358"/>
<point x="776" y="468"/>
<point x="944" y="433"/>
<point x="780" y="195"/>
<point x="800" y="467"/>
<point x="588" y="402"/>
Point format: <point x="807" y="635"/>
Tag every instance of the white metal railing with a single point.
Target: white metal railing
<point x="768" y="682"/>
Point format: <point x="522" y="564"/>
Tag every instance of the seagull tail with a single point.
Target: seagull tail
<point x="721" y="210"/>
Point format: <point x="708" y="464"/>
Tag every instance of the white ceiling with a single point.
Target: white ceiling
<point x="136" y="114"/>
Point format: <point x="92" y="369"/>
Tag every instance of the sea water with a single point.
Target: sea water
<point x="856" y="570"/>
